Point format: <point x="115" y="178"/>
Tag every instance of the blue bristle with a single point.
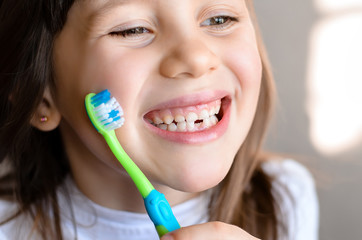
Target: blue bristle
<point x="111" y="112"/>
<point x="101" y="97"/>
<point x="116" y="118"/>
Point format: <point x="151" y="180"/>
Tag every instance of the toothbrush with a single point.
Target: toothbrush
<point x="106" y="115"/>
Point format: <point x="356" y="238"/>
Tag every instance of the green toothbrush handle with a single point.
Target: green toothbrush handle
<point x="157" y="207"/>
<point x="161" y="230"/>
<point x="142" y="183"/>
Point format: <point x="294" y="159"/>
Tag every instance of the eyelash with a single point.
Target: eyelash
<point x="220" y="22"/>
<point x="217" y="23"/>
<point x="131" y="32"/>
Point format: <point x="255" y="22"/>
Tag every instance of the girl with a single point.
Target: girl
<point x="165" y="62"/>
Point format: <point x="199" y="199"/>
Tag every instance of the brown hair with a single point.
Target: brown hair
<point x="38" y="164"/>
<point x="36" y="159"/>
<point x="245" y="198"/>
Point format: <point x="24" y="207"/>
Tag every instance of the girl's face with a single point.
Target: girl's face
<point x="171" y="65"/>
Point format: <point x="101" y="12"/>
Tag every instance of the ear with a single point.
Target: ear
<point x="46" y="117"/>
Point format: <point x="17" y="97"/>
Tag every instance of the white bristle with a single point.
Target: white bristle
<point x="120" y="110"/>
<point x="102" y="112"/>
<point x="99" y="107"/>
<point x="115" y="125"/>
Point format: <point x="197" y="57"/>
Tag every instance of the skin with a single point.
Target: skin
<point x="181" y="54"/>
<point x="211" y="230"/>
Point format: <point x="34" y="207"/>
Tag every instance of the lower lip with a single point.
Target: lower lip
<point x="204" y="136"/>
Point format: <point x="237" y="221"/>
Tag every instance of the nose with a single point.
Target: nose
<point x="188" y="58"/>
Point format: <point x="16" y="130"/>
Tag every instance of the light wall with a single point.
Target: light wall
<point x="315" y="47"/>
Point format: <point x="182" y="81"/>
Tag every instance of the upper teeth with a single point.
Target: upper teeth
<point x="183" y="119"/>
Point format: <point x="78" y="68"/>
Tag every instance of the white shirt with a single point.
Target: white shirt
<point x="297" y="195"/>
<point x="95" y="222"/>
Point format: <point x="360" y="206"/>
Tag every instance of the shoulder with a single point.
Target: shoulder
<point x="18" y="228"/>
<point x="294" y="189"/>
<point x="7" y="208"/>
<point x="290" y="174"/>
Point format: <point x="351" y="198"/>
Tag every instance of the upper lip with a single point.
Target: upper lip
<point x="191" y="100"/>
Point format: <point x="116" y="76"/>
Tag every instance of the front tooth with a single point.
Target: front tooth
<point x="181" y="126"/>
<point x="190" y="126"/>
<point x="179" y="118"/>
<point x="206" y="123"/>
<point x="191" y="117"/>
<point x="172" y="127"/>
<point x="168" y="119"/>
<point x="204" y="114"/>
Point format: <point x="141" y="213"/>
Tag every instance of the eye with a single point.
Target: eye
<point x="219" y="22"/>
<point x="132" y="33"/>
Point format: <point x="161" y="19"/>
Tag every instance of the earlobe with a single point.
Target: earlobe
<point x="46" y="116"/>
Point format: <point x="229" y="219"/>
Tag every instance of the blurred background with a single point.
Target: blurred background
<point x="315" y="47"/>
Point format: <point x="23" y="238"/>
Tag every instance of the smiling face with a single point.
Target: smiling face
<point x="187" y="74"/>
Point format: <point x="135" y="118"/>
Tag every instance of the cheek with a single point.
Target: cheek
<point x="92" y="67"/>
<point x="98" y="66"/>
<point x="123" y="71"/>
<point x="246" y="65"/>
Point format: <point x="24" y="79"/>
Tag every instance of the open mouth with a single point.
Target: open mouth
<point x="188" y="119"/>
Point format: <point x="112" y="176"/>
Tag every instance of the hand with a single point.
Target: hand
<point x="209" y="231"/>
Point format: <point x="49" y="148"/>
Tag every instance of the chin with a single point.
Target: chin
<point x="195" y="178"/>
<point x="200" y="183"/>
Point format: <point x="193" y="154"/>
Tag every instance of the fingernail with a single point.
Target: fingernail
<point x="167" y="237"/>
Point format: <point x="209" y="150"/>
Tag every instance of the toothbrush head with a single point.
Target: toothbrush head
<point x="104" y="111"/>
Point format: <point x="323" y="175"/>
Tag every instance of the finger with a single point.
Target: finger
<point x="210" y="231"/>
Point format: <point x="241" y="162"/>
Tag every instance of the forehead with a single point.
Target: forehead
<point x="104" y="5"/>
<point x="94" y="11"/>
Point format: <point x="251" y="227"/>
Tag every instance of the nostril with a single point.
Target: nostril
<point x="190" y="59"/>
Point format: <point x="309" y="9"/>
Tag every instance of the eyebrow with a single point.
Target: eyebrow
<point x="104" y="8"/>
